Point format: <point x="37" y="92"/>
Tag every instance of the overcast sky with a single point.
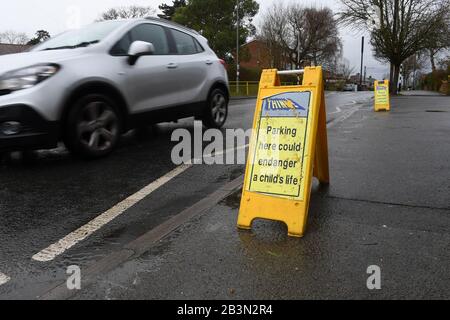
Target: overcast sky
<point x="56" y="16"/>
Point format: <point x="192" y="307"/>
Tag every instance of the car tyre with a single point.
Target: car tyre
<point x="216" y="111"/>
<point x="93" y="126"/>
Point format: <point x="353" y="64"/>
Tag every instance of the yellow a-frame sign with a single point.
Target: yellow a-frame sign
<point x="288" y="147"/>
<point x="382" y="100"/>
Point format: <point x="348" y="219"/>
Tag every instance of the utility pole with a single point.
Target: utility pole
<point x="414" y="72"/>
<point x="298" y="51"/>
<point x="365" y="73"/>
<point x="298" y="57"/>
<point x="362" y="62"/>
<point x="237" y="46"/>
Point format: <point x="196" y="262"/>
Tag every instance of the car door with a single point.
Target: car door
<point x="152" y="82"/>
<point x="193" y="64"/>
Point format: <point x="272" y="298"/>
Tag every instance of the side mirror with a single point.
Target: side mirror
<point x="139" y="49"/>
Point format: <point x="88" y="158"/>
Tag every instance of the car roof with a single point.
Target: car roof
<point x="164" y="23"/>
<point x="171" y="24"/>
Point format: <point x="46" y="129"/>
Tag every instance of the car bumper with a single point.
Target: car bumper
<point x="35" y="132"/>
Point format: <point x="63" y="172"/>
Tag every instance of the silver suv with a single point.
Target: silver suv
<point x="87" y="87"/>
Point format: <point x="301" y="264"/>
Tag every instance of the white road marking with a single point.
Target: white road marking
<point x="56" y="249"/>
<point x="4" y="279"/>
<point x="337" y="111"/>
<point x="344" y="117"/>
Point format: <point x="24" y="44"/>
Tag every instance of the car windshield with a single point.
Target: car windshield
<point x="83" y="37"/>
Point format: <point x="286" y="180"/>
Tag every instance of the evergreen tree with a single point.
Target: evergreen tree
<point x="217" y="21"/>
<point x="169" y="10"/>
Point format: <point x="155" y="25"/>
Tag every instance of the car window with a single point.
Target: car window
<point x="88" y="35"/>
<point x="154" y="34"/>
<point x="198" y="46"/>
<point x="185" y="43"/>
<point x="122" y="46"/>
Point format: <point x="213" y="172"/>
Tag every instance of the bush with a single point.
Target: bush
<point x="335" y="86"/>
<point x="253" y="74"/>
<point x="246" y="74"/>
<point x="434" y="80"/>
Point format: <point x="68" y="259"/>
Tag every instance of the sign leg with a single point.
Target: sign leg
<point x="321" y="165"/>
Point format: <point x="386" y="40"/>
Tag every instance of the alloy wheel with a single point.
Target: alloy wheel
<point x="219" y="108"/>
<point x="98" y="127"/>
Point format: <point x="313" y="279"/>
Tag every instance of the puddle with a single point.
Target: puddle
<point x="233" y="201"/>
<point x="230" y="176"/>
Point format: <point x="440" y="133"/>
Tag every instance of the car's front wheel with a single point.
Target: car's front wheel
<point x="216" y="111"/>
<point x="93" y="126"/>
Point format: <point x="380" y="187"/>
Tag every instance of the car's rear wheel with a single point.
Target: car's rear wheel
<point x="93" y="126"/>
<point x="216" y="111"/>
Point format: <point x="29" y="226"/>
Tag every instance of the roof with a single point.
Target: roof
<point x="12" y="48"/>
<point x="251" y="41"/>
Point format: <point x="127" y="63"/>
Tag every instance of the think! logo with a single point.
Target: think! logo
<point x="282" y="104"/>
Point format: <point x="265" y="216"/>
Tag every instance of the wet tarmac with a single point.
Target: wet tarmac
<point x="48" y="194"/>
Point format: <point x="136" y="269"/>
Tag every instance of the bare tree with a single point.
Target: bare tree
<point x="13" y="37"/>
<point x="345" y="69"/>
<point x="412" y="66"/>
<point x="301" y="35"/>
<point x="129" y="12"/>
<point x="444" y="63"/>
<point x="273" y="31"/>
<point x="440" y="41"/>
<point x="399" y="28"/>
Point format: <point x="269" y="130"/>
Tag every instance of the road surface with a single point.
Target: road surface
<point x="57" y="210"/>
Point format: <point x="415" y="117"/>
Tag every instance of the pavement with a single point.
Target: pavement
<point x="388" y="205"/>
<point x="420" y="93"/>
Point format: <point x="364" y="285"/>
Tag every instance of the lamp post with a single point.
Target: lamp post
<point x="298" y="51"/>
<point x="237" y="45"/>
<point x="362" y="62"/>
<point x="414" y="72"/>
<point x="365" y="74"/>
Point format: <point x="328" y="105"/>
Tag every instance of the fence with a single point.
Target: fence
<point x="248" y="88"/>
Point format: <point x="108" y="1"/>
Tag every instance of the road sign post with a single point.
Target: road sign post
<point x="288" y="147"/>
<point x="382" y="100"/>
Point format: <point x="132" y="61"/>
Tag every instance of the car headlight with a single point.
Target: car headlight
<point x="27" y="77"/>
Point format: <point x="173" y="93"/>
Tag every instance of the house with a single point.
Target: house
<point x="356" y="78"/>
<point x="257" y="55"/>
<point x="12" y="48"/>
